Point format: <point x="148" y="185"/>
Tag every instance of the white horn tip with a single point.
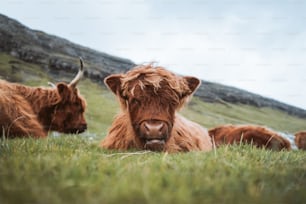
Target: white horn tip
<point x="79" y="75"/>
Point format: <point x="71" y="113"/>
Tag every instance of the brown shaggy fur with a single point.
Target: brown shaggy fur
<point x="249" y="134"/>
<point x="28" y="111"/>
<point x="151" y="94"/>
<point x="300" y="140"/>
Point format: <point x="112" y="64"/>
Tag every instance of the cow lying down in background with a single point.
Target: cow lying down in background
<point x="149" y="98"/>
<point x="33" y="111"/>
<point x="249" y="134"/>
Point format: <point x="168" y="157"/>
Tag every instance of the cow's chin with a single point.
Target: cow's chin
<point x="75" y="131"/>
<point x="156" y="145"/>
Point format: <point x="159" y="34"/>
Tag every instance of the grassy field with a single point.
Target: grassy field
<point x="73" y="169"/>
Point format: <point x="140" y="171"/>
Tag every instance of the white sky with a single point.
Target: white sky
<point x="258" y="45"/>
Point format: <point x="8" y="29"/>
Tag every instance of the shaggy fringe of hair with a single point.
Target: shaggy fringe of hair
<point x="149" y="75"/>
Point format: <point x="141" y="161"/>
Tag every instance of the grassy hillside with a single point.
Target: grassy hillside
<point x="73" y="169"/>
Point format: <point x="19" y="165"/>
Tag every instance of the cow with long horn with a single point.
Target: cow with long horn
<point x="33" y="111"/>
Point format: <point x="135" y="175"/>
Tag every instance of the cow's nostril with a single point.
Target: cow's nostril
<point x="83" y="127"/>
<point x="147" y="128"/>
<point x="153" y="129"/>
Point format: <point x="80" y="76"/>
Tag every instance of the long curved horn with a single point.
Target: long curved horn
<point x="80" y="74"/>
<point x="51" y="84"/>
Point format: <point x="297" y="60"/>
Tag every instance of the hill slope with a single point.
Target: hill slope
<point x="58" y="56"/>
<point x="101" y="107"/>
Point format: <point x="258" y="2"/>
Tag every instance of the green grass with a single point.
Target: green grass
<point x="102" y="106"/>
<point x="73" y="169"/>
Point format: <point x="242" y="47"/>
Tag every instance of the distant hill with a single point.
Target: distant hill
<point x="57" y="56"/>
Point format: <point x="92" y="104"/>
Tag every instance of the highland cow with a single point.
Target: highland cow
<point x="248" y="134"/>
<point x="300" y="140"/>
<point x="150" y="97"/>
<point x="33" y="111"/>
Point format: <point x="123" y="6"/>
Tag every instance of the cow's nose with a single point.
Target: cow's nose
<point x="83" y="127"/>
<point x="154" y="129"/>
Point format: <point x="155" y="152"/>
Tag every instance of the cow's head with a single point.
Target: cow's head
<point x="300" y="140"/>
<point x="67" y="115"/>
<point x="151" y="95"/>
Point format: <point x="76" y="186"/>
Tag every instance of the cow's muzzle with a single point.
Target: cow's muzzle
<point x="82" y="128"/>
<point x="154" y="133"/>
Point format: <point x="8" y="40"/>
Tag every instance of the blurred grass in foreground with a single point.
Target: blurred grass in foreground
<point x="72" y="169"/>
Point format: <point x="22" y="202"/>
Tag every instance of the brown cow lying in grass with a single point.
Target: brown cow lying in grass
<point x="29" y="111"/>
<point x="149" y="98"/>
<point x="300" y="140"/>
<point x="248" y="134"/>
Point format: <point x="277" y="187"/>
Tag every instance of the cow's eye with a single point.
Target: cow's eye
<point x="135" y="102"/>
<point x="125" y="97"/>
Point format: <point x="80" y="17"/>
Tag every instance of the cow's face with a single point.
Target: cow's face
<point x="68" y="114"/>
<point x="151" y="99"/>
<point x="300" y="140"/>
<point x="152" y="114"/>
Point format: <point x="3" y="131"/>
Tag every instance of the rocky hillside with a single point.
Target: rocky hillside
<point x="56" y="55"/>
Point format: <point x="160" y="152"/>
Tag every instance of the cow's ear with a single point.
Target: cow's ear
<point x="193" y="83"/>
<point x="62" y="89"/>
<point x="113" y="82"/>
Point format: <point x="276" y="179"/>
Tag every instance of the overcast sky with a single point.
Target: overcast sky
<point x="258" y="45"/>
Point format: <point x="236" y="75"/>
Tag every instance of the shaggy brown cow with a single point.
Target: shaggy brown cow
<point x="249" y="134"/>
<point x="300" y="140"/>
<point x="29" y="111"/>
<point x="149" y="97"/>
